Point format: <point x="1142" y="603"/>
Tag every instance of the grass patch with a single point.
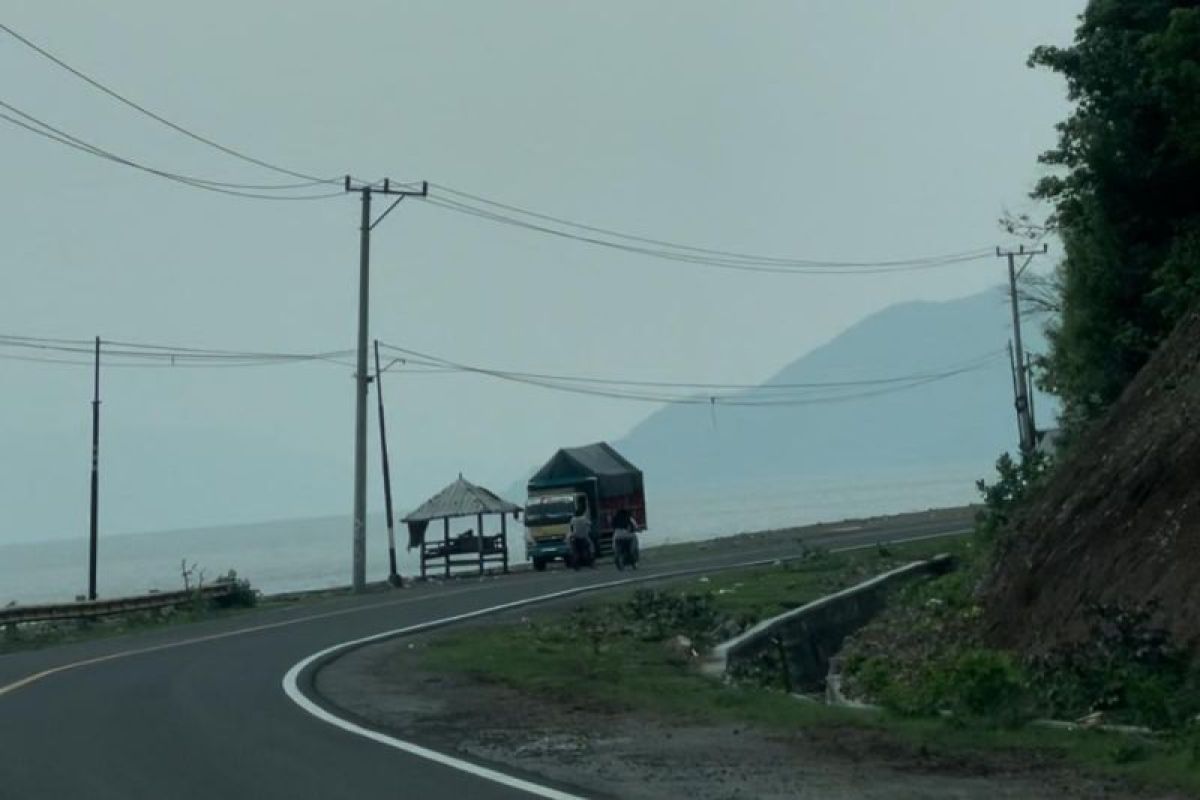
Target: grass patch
<point x="623" y="654"/>
<point x="765" y="592"/>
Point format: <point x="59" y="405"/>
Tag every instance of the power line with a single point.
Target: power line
<point x="145" y="355"/>
<point x="984" y="358"/>
<point x="48" y="131"/>
<point x="738" y="256"/>
<point x="738" y="264"/>
<point x="310" y="180"/>
<point x="726" y="400"/>
<point x="635" y="390"/>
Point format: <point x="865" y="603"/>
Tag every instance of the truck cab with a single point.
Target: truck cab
<point x="547" y="523"/>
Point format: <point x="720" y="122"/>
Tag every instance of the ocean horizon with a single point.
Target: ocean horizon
<point x="315" y="552"/>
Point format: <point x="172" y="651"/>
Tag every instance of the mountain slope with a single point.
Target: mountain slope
<point x="965" y="419"/>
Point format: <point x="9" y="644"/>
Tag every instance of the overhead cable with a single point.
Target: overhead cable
<point x="310" y="180"/>
<point x="946" y="258"/>
<point x="42" y="128"/>
<point x="748" y="396"/>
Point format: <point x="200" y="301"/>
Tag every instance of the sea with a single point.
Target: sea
<point x="315" y="553"/>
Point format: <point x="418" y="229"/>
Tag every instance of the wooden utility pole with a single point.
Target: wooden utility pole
<point x="1028" y="434"/>
<point x="362" y="378"/>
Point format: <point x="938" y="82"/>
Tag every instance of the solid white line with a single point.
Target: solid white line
<point x="291" y="685"/>
<point x="27" y="680"/>
<point x="292" y="689"/>
<point x="35" y="677"/>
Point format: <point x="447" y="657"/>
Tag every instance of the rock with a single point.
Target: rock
<point x="727" y="630"/>
<point x="680" y="648"/>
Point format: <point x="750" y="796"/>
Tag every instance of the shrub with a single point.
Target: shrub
<point x="986" y="684"/>
<point x="1128" y="668"/>
<point x="1015" y="481"/>
<point x="242" y="596"/>
<point x="654" y="615"/>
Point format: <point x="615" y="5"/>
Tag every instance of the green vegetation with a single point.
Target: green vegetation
<point x="625" y="649"/>
<point x="926" y="655"/>
<point x="636" y="652"/>
<point x="1128" y="669"/>
<point x="242" y="596"/>
<point x="1124" y="195"/>
<point x="925" y="658"/>
<point x="1015" y="484"/>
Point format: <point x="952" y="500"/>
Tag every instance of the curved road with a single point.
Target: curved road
<point x="198" y="711"/>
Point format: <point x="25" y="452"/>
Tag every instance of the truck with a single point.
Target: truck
<point x="594" y="480"/>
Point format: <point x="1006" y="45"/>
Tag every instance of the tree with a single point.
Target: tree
<point x="1125" y="191"/>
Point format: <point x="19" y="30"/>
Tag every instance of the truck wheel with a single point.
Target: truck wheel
<point x="539" y="564"/>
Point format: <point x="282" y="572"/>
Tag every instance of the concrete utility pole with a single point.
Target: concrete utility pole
<point x="362" y="378"/>
<point x="94" y="516"/>
<point x="1028" y="433"/>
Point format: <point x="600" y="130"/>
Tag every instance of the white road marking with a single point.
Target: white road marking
<point x="28" y="679"/>
<point x="291" y="685"/>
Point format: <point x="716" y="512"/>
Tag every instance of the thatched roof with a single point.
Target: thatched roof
<point x="461" y="499"/>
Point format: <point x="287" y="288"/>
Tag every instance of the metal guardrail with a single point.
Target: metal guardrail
<point x="86" y="609"/>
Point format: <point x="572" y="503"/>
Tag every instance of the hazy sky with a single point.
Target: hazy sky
<point x="839" y="129"/>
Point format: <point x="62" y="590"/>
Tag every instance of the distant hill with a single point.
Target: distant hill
<point x="963" y="420"/>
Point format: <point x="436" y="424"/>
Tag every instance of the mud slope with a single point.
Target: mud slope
<point x="1120" y="520"/>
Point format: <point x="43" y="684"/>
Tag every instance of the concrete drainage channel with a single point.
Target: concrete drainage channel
<point x="807" y="639"/>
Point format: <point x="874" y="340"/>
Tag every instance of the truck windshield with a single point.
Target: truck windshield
<point x="549" y="509"/>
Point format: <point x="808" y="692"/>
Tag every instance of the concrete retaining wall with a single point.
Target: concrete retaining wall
<point x="810" y="635"/>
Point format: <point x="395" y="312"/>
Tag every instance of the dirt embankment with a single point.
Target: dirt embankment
<point x="1119" y="522"/>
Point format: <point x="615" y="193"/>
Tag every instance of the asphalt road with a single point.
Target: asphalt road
<point x="198" y="711"/>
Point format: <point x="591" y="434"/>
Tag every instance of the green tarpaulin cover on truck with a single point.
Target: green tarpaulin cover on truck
<point x="615" y="475"/>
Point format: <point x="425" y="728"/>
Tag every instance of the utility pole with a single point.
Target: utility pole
<point x="393" y="575"/>
<point x="95" y="476"/>
<point x="362" y="379"/>
<point x="1028" y="437"/>
<point x="1012" y="371"/>
<point x="1029" y="380"/>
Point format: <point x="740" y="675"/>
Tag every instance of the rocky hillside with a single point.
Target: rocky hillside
<point x="1120" y="519"/>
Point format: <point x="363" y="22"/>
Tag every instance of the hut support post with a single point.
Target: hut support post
<point x="446" y="542"/>
<point x="504" y="539"/>
<point x="479" y="539"/>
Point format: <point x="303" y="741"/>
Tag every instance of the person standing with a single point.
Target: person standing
<point x="580" y="539"/>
